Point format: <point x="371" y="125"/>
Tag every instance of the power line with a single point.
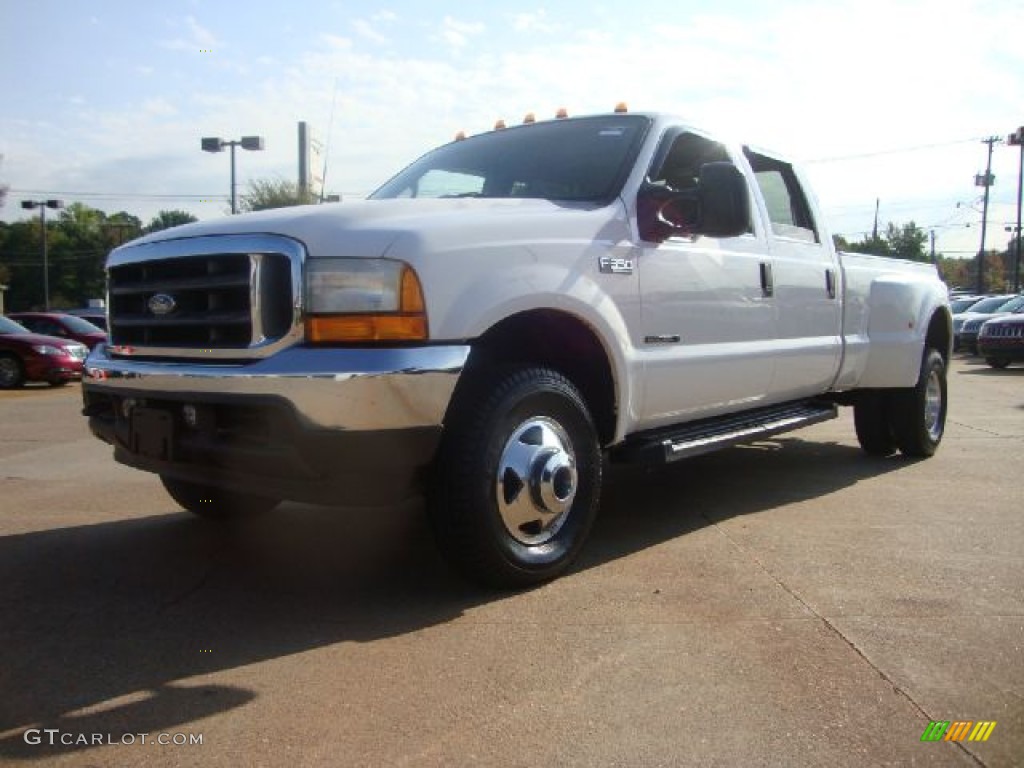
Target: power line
<point x="894" y="151"/>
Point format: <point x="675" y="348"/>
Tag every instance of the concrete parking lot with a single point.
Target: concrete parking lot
<point x="788" y="603"/>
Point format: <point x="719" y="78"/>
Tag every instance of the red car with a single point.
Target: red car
<point x="27" y="356"/>
<point x="61" y="325"/>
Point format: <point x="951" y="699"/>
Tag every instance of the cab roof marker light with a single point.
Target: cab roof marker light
<point x="460" y="136"/>
<point x="499" y="125"/>
<point x="621" y="107"/>
<point x="562" y="113"/>
<point x="530" y="118"/>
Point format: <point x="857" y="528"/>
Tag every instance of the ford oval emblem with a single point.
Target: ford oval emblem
<point x="161" y="304"/>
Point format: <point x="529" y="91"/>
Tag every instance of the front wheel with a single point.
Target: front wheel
<point x="919" y="413"/>
<point x="997" y="362"/>
<point x="517" y="479"/>
<point x="215" y="503"/>
<point x="12" y="374"/>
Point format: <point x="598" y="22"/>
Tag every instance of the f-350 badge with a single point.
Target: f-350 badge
<point x="615" y="266"/>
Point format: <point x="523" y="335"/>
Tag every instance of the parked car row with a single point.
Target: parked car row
<point x="44" y="346"/>
<point x="991" y="327"/>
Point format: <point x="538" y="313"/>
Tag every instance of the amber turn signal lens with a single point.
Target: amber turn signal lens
<point x="349" y="328"/>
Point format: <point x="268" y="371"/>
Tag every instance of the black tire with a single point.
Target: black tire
<point x="919" y="412"/>
<point x="12" y="372"/>
<point x="216" y="503"/>
<point x="997" y="362"/>
<point x="872" y="421"/>
<point x="517" y="479"/>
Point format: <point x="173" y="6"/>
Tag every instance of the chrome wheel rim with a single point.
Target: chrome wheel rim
<point x="536" y="481"/>
<point x="933" y="406"/>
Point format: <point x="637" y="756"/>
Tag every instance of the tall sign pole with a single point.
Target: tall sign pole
<point x="1017" y="140"/>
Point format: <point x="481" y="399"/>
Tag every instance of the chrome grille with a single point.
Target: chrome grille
<point x="1004" y="331"/>
<point x="216" y="297"/>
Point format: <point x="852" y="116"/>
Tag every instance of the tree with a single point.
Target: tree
<point x="957" y="273"/>
<point x="77" y="245"/>
<point x="167" y="219"/>
<point x="906" y="241"/>
<point x="878" y="246"/>
<point x="265" y="194"/>
<point x="4" y="188"/>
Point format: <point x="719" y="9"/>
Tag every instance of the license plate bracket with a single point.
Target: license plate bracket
<point x="153" y="434"/>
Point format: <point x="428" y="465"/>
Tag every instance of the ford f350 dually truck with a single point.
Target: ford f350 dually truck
<point x="496" y="321"/>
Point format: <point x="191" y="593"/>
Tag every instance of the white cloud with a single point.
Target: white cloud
<point x="532" y="22"/>
<point x="366" y="30"/>
<point x="198" y="38"/>
<point x="457" y="33"/>
<point x="159" y="108"/>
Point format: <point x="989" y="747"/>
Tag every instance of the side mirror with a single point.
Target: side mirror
<point x="725" y="205"/>
<point x="717" y="207"/>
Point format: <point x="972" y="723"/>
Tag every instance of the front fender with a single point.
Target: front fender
<point x="493" y="297"/>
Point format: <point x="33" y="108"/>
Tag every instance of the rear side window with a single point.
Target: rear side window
<point x="788" y="210"/>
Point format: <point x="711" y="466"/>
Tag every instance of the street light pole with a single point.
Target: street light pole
<point x="42" y="205"/>
<point x="1017" y="140"/>
<point x="215" y="144"/>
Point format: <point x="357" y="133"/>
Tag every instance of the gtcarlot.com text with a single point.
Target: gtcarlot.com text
<point x="54" y="737"/>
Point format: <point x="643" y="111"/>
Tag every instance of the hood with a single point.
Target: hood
<point x="1015" y="318"/>
<point x="368" y="228"/>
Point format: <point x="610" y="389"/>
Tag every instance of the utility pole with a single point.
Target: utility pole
<point x="985" y="180"/>
<point x="874" y="230"/>
<point x="932" y="233"/>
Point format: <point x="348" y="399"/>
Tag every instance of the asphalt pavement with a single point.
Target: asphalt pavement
<point x="788" y="603"/>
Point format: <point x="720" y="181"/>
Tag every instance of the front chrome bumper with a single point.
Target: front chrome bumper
<point x="335" y="426"/>
<point x="350" y="389"/>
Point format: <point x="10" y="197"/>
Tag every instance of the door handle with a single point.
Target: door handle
<point x="830" y="283"/>
<point x="767" y="281"/>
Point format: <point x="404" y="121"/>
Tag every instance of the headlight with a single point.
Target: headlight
<point x="46" y="349"/>
<point x="363" y="300"/>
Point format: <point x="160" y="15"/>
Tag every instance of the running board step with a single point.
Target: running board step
<point x="695" y="438"/>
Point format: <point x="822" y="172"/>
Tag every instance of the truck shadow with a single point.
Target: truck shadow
<point x="109" y="628"/>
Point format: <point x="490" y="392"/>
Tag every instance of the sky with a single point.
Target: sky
<point x="105" y="102"/>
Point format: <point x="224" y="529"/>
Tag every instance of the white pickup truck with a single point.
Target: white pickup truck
<point x="497" y="320"/>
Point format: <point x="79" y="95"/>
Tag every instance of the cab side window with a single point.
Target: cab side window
<point x="788" y="211"/>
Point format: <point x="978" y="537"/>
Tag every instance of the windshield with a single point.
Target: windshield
<point x="1012" y="305"/>
<point x="990" y="304"/>
<point x="9" y="326"/>
<point x="962" y="305"/>
<point x="80" y="325"/>
<point x="580" y="160"/>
